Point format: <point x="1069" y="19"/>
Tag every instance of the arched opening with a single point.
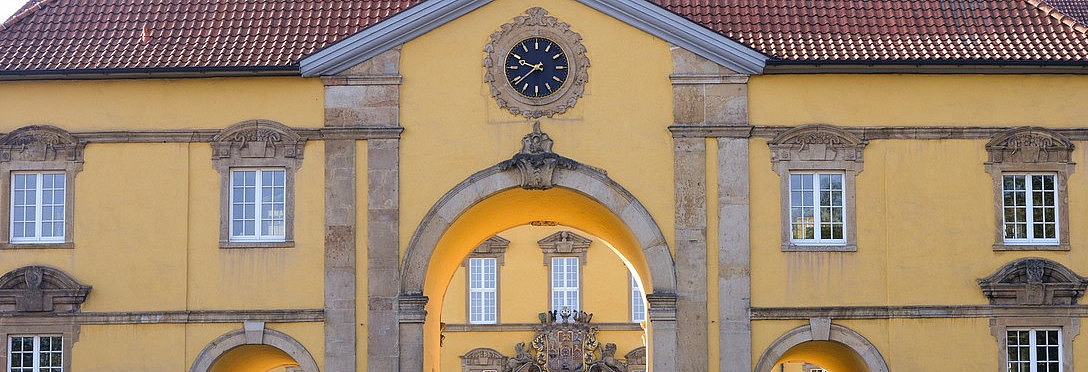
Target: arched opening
<point x="509" y="209"/>
<point x="832" y="347"/>
<point x="824" y="355"/>
<point x="534" y="185"/>
<point x="253" y="358"/>
<point x="254" y="349"/>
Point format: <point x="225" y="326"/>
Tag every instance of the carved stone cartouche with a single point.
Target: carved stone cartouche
<point x="536" y="163"/>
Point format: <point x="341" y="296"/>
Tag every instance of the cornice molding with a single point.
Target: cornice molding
<point x="916" y="312"/>
<point x="863" y="132"/>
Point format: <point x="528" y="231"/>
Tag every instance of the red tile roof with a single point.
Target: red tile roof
<point x="155" y="34"/>
<point x="1078" y="9"/>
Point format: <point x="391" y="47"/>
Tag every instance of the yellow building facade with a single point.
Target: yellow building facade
<point x="670" y="165"/>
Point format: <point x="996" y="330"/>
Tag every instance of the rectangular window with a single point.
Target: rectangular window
<point x="1034" y="350"/>
<point x="257" y="205"/>
<point x="37" y="207"/>
<point x="1030" y="209"/>
<point x="816" y="208"/>
<point x="638" y="302"/>
<point x="565" y="283"/>
<point x="35" y="354"/>
<point x="481" y="292"/>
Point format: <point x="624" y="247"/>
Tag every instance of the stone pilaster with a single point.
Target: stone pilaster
<point x="691" y="311"/>
<point x="340" y="255"/>
<point x="367" y="95"/>
<point x="662" y="313"/>
<point x="734" y="257"/>
<point x="412" y="315"/>
<point x="705" y="95"/>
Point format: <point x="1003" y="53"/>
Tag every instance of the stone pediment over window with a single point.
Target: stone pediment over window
<point x="40" y="289"/>
<point x="482" y="359"/>
<point x="40" y="143"/>
<point x="820" y="143"/>
<point x="493" y="247"/>
<point x="257" y="139"/>
<point x="564" y="243"/>
<point x="1033" y="281"/>
<point x="1029" y="145"/>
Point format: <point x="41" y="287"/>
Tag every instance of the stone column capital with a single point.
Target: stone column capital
<point x="662" y="306"/>
<point x="412" y="308"/>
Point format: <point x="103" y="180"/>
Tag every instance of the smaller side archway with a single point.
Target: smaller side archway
<point x="266" y="341"/>
<point x="841" y="343"/>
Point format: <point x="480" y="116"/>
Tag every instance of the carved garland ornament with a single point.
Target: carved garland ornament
<point x="1030" y="145"/>
<point x="40" y="143"/>
<point x="536" y="24"/>
<point x="257" y="139"/>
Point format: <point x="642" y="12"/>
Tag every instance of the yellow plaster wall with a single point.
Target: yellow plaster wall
<point x="918" y="99"/>
<point x="453" y="128"/>
<point x="925" y="211"/>
<point x="83" y="105"/>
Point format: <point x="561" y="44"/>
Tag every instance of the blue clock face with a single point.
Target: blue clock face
<point x="536" y="67"/>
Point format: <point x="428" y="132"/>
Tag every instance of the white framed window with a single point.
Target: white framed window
<point x="1034" y="350"/>
<point x="35" y="354"/>
<point x="1029" y="208"/>
<point x="258" y="205"/>
<point x="482" y="294"/>
<point x="638" y="302"/>
<point x="565" y="283"/>
<point x="38" y="207"/>
<point x="817" y="209"/>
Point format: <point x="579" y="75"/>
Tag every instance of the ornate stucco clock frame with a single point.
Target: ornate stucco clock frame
<point x="536" y="23"/>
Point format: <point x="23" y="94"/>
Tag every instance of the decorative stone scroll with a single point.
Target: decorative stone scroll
<point x="257" y="144"/>
<point x="1029" y="145"/>
<point x="564" y="243"/>
<point x="636" y="359"/>
<point x="40" y="143"/>
<point x="819" y="147"/>
<point x="536" y="23"/>
<point x="1031" y="150"/>
<point x="37" y="289"/>
<point x="1033" y="281"/>
<point x="817" y="143"/>
<point x="257" y="139"/>
<point x="536" y="163"/>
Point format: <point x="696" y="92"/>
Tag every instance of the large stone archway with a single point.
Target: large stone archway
<point x="536" y="167"/>
<point x="254" y="334"/>
<point x="822" y="331"/>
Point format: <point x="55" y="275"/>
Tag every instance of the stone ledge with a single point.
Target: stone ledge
<point x="789" y="247"/>
<point x="1030" y="247"/>
<point x="915" y="311"/>
<point x="246" y="245"/>
<point x="176" y="317"/>
<point x="61" y="245"/>
<point x="501" y="327"/>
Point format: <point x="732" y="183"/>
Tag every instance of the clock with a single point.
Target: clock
<point x="536" y="66"/>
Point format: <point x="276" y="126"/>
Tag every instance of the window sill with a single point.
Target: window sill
<point x="244" y="245"/>
<point x="1031" y="247"/>
<point x="790" y="247"/>
<point x="57" y="245"/>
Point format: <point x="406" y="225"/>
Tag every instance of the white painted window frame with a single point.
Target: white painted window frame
<point x="477" y="270"/>
<point x="39" y="177"/>
<point x="259" y="236"/>
<point x="638" y="301"/>
<point x="563" y="265"/>
<point x="1033" y="358"/>
<point x="1029" y="189"/>
<point x="36" y="353"/>
<point x="818" y="240"/>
